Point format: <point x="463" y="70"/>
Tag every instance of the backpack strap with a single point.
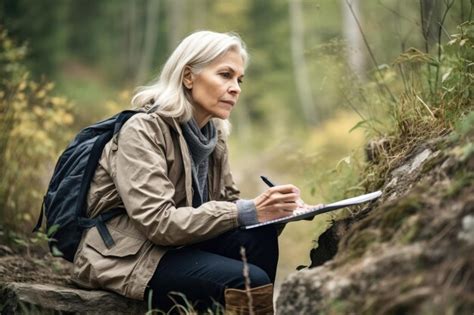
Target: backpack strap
<point x="122" y="119"/>
<point x="94" y="157"/>
<point x="99" y="222"/>
<point x="40" y="218"/>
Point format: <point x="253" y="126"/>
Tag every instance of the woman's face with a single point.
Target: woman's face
<point x="215" y="89"/>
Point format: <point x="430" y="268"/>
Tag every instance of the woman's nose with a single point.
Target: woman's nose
<point x="235" y="87"/>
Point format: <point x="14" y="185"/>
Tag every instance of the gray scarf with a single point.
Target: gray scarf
<point x="201" y="143"/>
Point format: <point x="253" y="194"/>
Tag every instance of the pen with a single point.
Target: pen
<point x="267" y="181"/>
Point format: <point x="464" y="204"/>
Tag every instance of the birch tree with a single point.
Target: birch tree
<point x="150" y="40"/>
<point x="176" y="22"/>
<point x="131" y="40"/>
<point x="430" y="21"/>
<point x="355" y="43"/>
<point x="199" y="14"/>
<point x="300" y="68"/>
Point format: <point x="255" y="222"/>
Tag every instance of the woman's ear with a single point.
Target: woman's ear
<point x="188" y="78"/>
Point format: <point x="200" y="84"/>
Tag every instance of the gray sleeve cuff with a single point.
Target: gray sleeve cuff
<point x="247" y="213"/>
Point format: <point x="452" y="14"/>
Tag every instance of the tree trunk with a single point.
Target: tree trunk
<point x="151" y="37"/>
<point x="177" y="20"/>
<point x="355" y="43"/>
<point x="130" y="38"/>
<point x="430" y="19"/>
<point x="199" y="14"/>
<point x="299" y="62"/>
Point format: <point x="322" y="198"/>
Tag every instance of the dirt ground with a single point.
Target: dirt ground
<point x="17" y="265"/>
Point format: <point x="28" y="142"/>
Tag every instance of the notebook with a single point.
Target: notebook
<point x="322" y="208"/>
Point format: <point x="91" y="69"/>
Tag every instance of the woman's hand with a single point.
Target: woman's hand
<point x="277" y="202"/>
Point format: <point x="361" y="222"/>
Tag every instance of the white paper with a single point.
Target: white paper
<point x="320" y="209"/>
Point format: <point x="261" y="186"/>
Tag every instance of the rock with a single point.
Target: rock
<point x="400" y="171"/>
<point x="310" y="291"/>
<point x="413" y="164"/>
<point x="467" y="232"/>
<point x="410" y="254"/>
<point x="419" y="159"/>
<point x="29" y="298"/>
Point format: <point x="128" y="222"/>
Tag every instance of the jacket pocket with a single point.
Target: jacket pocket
<point x="125" y="245"/>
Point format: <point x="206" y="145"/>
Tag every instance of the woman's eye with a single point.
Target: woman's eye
<point x="226" y="75"/>
<point x="240" y="81"/>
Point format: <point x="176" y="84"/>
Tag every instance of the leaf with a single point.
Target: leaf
<point x="452" y="41"/>
<point x="358" y="125"/>
<point x="41" y="94"/>
<point x="22" y="86"/>
<point x="56" y="252"/>
<point x="346" y="160"/>
<point x="26" y="217"/>
<point x="53" y="229"/>
<point x="446" y="75"/>
<point x="21" y="242"/>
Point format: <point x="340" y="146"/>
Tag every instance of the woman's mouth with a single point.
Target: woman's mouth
<point x="230" y="102"/>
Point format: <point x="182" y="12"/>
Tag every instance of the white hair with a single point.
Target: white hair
<point x="197" y="50"/>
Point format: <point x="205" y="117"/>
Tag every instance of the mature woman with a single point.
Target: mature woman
<point x="168" y="167"/>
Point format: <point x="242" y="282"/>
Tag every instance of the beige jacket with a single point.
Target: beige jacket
<point x="146" y="168"/>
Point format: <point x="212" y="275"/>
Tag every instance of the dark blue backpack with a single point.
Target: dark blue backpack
<point x="64" y="204"/>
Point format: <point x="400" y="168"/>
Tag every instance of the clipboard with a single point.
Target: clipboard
<point x="323" y="208"/>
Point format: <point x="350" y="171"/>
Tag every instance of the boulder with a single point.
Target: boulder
<point x="32" y="298"/>
<point x="408" y="253"/>
<point x="315" y="290"/>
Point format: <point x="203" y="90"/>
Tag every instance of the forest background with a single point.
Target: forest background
<point x="311" y="97"/>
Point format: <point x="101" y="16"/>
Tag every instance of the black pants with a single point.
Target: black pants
<point x="203" y="271"/>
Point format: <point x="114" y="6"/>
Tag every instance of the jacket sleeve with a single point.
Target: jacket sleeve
<point x="229" y="191"/>
<point x="147" y="192"/>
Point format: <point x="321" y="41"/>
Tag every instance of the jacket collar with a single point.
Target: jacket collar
<point x="175" y="125"/>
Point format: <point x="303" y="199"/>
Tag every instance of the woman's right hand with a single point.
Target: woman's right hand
<point x="277" y="202"/>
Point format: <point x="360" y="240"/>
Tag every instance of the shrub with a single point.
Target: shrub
<point x="33" y="129"/>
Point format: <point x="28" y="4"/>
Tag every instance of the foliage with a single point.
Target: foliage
<point x="457" y="82"/>
<point x="45" y="41"/>
<point x="425" y="106"/>
<point x="34" y="127"/>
